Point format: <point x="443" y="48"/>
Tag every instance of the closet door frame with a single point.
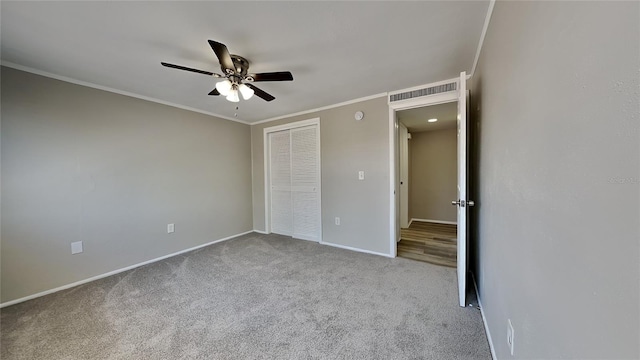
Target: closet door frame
<point x="267" y="168"/>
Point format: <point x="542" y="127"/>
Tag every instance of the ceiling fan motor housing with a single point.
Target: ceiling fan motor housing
<point x="241" y="66"/>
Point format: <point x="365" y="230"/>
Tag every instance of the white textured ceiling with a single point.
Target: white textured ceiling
<point x="416" y="119"/>
<point x="337" y="51"/>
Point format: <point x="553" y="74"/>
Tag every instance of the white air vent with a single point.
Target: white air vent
<point x="423" y="92"/>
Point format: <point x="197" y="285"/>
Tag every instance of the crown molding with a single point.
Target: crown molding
<point x="321" y="108"/>
<point x="115" y="91"/>
<point x="487" y="19"/>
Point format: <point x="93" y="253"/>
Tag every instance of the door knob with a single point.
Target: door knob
<point x="462" y="203"/>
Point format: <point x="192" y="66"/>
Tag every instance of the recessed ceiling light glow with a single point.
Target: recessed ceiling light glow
<point x="432" y="120"/>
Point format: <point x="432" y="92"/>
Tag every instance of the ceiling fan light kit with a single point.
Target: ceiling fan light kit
<point x="246" y="91"/>
<point x="233" y="94"/>
<point x="224" y="87"/>
<point x="236" y="68"/>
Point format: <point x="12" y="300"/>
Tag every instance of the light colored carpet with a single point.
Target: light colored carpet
<point x="254" y="297"/>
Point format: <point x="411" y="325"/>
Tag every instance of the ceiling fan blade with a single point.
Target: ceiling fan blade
<point x="273" y="76"/>
<point x="214" y="92"/>
<point x="260" y="93"/>
<point x="223" y="55"/>
<point x="190" y="69"/>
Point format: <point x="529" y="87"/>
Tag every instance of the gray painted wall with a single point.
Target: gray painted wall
<point x="80" y="164"/>
<point x="556" y="94"/>
<point x="347" y="146"/>
<point x="434" y="169"/>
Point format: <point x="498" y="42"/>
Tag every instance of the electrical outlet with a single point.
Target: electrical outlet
<point x="510" y="335"/>
<point x="360" y="175"/>
<point x="76" y="247"/>
<point x="171" y="228"/>
<point x="337" y="220"/>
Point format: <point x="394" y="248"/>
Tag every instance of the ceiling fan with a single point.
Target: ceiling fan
<point x="237" y="79"/>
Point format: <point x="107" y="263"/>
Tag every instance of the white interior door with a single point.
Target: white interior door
<point x="305" y="183"/>
<point x="294" y="182"/>
<point x="403" y="135"/>
<point x="462" y="202"/>
<point x="280" y="180"/>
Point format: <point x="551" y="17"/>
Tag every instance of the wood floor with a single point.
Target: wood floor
<point x="429" y="242"/>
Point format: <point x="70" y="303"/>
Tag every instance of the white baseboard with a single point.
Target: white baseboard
<point x="355" y="249"/>
<point x="260" y="232"/>
<point x="434" y="221"/>
<point x="484" y="320"/>
<point x="97" y="277"/>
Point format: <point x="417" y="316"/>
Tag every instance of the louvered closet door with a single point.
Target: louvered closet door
<point x="280" y="176"/>
<point x="305" y="181"/>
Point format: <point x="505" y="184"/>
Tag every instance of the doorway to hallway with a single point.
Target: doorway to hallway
<point x="449" y="91"/>
<point x="427" y="141"/>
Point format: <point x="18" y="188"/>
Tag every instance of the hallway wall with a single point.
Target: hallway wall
<point x="433" y="175"/>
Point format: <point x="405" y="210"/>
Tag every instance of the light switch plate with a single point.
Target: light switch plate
<point x="76" y="247"/>
<point x="171" y="228"/>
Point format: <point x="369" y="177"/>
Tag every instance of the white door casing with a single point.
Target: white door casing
<point x="403" y="139"/>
